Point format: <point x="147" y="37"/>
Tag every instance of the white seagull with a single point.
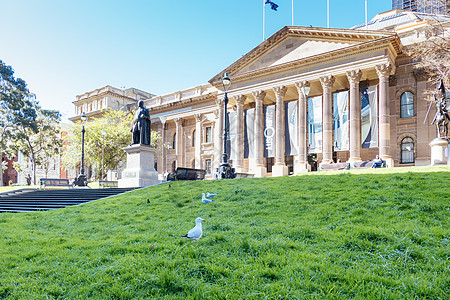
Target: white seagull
<point x="206" y="200"/>
<point x="196" y="232"/>
<point x="210" y="195"/>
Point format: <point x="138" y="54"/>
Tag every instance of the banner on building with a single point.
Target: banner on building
<point x="290" y="121"/>
<point x="269" y="131"/>
<point x="249" y="133"/>
<point x="340" y="121"/>
<point x="231" y="136"/>
<point x="315" y="124"/>
<point x="369" y="117"/>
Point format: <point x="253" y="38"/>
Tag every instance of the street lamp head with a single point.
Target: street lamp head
<point x="226" y="81"/>
<point x="83" y="117"/>
<point x="103" y="132"/>
<point x="306" y="90"/>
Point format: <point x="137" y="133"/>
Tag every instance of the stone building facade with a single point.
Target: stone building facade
<point x="365" y="99"/>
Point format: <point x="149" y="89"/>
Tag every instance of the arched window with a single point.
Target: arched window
<point x="174" y="141"/>
<point x="407" y="150"/>
<point x="193" y="164"/>
<point x="407" y="105"/>
<point x="193" y="139"/>
<point x="174" y="165"/>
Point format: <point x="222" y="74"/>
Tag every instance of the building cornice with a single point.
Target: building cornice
<point x="369" y="38"/>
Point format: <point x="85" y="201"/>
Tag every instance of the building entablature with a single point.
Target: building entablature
<point x="197" y="93"/>
<point x="291" y="60"/>
<point x="291" y="47"/>
<point x="102" y="91"/>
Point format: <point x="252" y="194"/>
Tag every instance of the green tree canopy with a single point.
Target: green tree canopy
<point x="116" y="125"/>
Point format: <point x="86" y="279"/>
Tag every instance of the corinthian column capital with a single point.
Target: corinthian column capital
<point x="383" y="70"/>
<point x="354" y="76"/>
<point x="300" y="84"/>
<point x="327" y="81"/>
<point x="280" y="91"/>
<point x="198" y="117"/>
<point x="259" y="95"/>
<point x="177" y="121"/>
<point x="240" y="99"/>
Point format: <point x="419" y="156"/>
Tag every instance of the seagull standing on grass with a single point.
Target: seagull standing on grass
<point x="206" y="200"/>
<point x="196" y="232"/>
<point x="210" y="195"/>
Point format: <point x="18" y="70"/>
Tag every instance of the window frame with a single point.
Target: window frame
<point x="407" y="107"/>
<point x="403" y="151"/>
<point x="208" y="135"/>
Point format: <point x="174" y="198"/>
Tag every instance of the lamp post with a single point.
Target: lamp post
<point x="103" y="132"/>
<point x="225" y="170"/>
<point x="81" y="180"/>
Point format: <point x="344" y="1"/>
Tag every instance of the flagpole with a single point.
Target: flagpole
<point x="264" y="19"/>
<point x="292" y="12"/>
<point x="328" y="13"/>
<point x="366" y="14"/>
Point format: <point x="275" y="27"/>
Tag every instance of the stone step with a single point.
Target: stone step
<point x="39" y="200"/>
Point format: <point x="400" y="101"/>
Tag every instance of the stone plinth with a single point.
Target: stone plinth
<point x="280" y="170"/>
<point x="140" y="170"/>
<point x="300" y="167"/>
<point x="438" y="151"/>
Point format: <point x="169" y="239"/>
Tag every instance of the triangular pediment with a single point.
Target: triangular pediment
<point x="292" y="49"/>
<point x="292" y="44"/>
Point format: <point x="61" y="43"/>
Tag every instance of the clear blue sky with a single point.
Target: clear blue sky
<point x="65" y="48"/>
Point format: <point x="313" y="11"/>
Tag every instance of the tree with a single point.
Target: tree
<point x="40" y="140"/>
<point x="432" y="53"/>
<point x="17" y="106"/>
<point x="116" y="124"/>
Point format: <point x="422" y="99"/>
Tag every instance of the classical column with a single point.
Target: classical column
<point x="259" y="169"/>
<point x="239" y="163"/>
<point x="302" y="161"/>
<point x="218" y="133"/>
<point x="354" y="76"/>
<point x="179" y="146"/>
<point x="383" y="72"/>
<point x="279" y="169"/>
<point x="163" y="149"/>
<point x="198" y="142"/>
<point x="327" y="118"/>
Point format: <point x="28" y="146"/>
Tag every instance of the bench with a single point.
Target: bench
<point x="187" y="174"/>
<point x="46" y="182"/>
<point x="108" y="184"/>
<point x="244" y="175"/>
<point x="366" y="164"/>
<point x="334" y="166"/>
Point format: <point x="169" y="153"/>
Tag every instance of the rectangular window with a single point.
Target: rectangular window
<point x="269" y="164"/>
<point x="208" y="166"/>
<point x="208" y="135"/>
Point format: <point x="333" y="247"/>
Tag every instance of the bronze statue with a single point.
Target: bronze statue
<point x="141" y="128"/>
<point x="442" y="117"/>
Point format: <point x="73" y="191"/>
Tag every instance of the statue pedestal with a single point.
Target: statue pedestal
<point x="140" y="170"/>
<point x="280" y="170"/>
<point x="438" y="151"/>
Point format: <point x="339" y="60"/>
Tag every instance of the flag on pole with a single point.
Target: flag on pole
<point x="273" y="6"/>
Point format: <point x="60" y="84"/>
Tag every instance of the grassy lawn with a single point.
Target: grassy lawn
<point x="378" y="234"/>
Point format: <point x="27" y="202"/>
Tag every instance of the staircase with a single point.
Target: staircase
<point x="37" y="200"/>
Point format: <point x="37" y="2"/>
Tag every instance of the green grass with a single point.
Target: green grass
<point x="378" y="235"/>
